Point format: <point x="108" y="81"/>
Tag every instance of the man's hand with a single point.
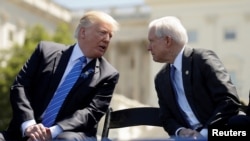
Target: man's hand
<point x="189" y="133"/>
<point x="38" y="132"/>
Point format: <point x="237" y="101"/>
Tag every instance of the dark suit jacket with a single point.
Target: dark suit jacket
<point x="37" y="81"/>
<point x="208" y="89"/>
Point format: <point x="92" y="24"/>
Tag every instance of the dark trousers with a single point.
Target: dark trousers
<point x="239" y="121"/>
<point x="65" y="136"/>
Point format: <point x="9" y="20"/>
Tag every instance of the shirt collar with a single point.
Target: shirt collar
<point x="77" y="53"/>
<point x="178" y="60"/>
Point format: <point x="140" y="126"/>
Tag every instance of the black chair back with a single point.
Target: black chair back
<point x="130" y="117"/>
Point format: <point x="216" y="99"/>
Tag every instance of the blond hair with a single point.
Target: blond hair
<point x="92" y="17"/>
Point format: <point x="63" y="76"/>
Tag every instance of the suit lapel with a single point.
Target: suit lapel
<point x="187" y="63"/>
<point x="170" y="93"/>
<point x="61" y="61"/>
<point x="96" y="75"/>
<point x="186" y="70"/>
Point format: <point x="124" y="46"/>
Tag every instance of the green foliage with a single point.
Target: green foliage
<point x="62" y="34"/>
<point x="12" y="60"/>
<point x="5" y="76"/>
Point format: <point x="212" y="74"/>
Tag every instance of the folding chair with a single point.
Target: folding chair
<point x="130" y="117"/>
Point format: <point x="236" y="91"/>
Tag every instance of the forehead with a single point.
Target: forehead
<point x="103" y="26"/>
<point x="151" y="33"/>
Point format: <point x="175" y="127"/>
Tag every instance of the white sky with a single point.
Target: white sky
<point x="76" y="4"/>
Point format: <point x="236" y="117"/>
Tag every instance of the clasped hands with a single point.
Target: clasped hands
<point x="38" y="132"/>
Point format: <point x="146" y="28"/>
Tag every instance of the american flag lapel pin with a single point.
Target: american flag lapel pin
<point x="86" y="73"/>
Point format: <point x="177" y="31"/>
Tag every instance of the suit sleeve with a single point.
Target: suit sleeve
<point x="29" y="90"/>
<point x="220" y="87"/>
<point x="21" y="88"/>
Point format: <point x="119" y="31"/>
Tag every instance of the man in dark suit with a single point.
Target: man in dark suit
<point x="46" y="70"/>
<point x="200" y="93"/>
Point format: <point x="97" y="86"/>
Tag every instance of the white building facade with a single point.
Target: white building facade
<point x="17" y="15"/>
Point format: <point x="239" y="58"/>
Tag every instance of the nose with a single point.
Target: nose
<point x="107" y="37"/>
<point x="149" y="47"/>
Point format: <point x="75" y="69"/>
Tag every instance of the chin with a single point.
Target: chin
<point x="159" y="61"/>
<point x="155" y="60"/>
<point x="98" y="55"/>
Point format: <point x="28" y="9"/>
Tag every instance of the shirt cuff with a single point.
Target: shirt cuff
<point x="204" y="132"/>
<point x="178" y="130"/>
<point x="26" y="124"/>
<point x="55" y="130"/>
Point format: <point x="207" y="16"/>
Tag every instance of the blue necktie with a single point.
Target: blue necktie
<point x="185" y="108"/>
<point x="173" y="81"/>
<point x="61" y="93"/>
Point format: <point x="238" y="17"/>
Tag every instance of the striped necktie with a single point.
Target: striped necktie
<point x="61" y="93"/>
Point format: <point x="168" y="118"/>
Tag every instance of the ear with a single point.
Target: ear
<point x="82" y="33"/>
<point x="168" y="40"/>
